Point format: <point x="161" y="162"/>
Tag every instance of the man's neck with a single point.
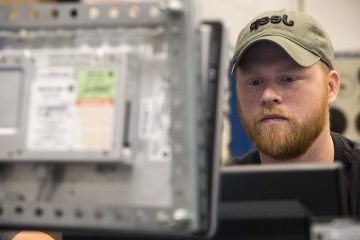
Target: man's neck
<point x="321" y="151"/>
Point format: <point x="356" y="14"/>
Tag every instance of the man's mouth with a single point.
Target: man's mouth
<point x="273" y="117"/>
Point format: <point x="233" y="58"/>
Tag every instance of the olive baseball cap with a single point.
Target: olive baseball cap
<point x="302" y="37"/>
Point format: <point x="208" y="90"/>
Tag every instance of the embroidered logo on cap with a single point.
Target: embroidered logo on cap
<point x="273" y="19"/>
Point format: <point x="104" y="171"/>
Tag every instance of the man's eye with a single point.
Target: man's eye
<point x="288" y="79"/>
<point x="255" y="82"/>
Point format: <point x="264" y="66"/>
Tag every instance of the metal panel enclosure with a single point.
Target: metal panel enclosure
<point x="102" y="118"/>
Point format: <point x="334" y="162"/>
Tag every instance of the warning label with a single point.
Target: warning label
<point x="95" y="107"/>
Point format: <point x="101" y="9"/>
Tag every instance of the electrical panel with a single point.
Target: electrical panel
<point x="105" y="118"/>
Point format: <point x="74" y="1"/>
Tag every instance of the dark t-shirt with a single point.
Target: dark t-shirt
<point x="345" y="151"/>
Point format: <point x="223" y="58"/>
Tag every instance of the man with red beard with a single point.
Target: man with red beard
<point x="285" y="82"/>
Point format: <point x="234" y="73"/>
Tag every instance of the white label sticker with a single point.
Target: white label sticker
<point x="52" y="113"/>
<point x="154" y="126"/>
<point x="145" y="119"/>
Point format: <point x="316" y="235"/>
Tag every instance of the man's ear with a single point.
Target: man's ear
<point x="333" y="85"/>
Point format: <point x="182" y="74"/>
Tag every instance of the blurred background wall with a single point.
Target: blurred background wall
<point x="340" y="18"/>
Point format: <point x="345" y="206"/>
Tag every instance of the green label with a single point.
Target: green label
<point x="96" y="84"/>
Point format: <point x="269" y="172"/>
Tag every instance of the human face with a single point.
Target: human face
<point x="283" y="106"/>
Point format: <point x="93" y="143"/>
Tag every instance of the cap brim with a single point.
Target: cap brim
<point x="299" y="54"/>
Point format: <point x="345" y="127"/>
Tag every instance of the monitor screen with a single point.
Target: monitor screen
<point x="279" y="199"/>
<point x="319" y="188"/>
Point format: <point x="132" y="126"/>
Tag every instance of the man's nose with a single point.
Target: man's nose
<point x="271" y="95"/>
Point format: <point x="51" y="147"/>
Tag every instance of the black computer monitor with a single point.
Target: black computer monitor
<point x="280" y="199"/>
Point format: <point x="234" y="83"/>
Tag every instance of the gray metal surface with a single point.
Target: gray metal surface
<point x="129" y="73"/>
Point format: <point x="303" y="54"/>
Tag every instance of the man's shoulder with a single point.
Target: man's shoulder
<point x="344" y="147"/>
<point x="350" y="144"/>
<point x="348" y="152"/>
<point x="252" y="157"/>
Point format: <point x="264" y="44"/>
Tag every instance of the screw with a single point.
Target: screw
<point x="174" y="6"/>
<point x="181" y="218"/>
